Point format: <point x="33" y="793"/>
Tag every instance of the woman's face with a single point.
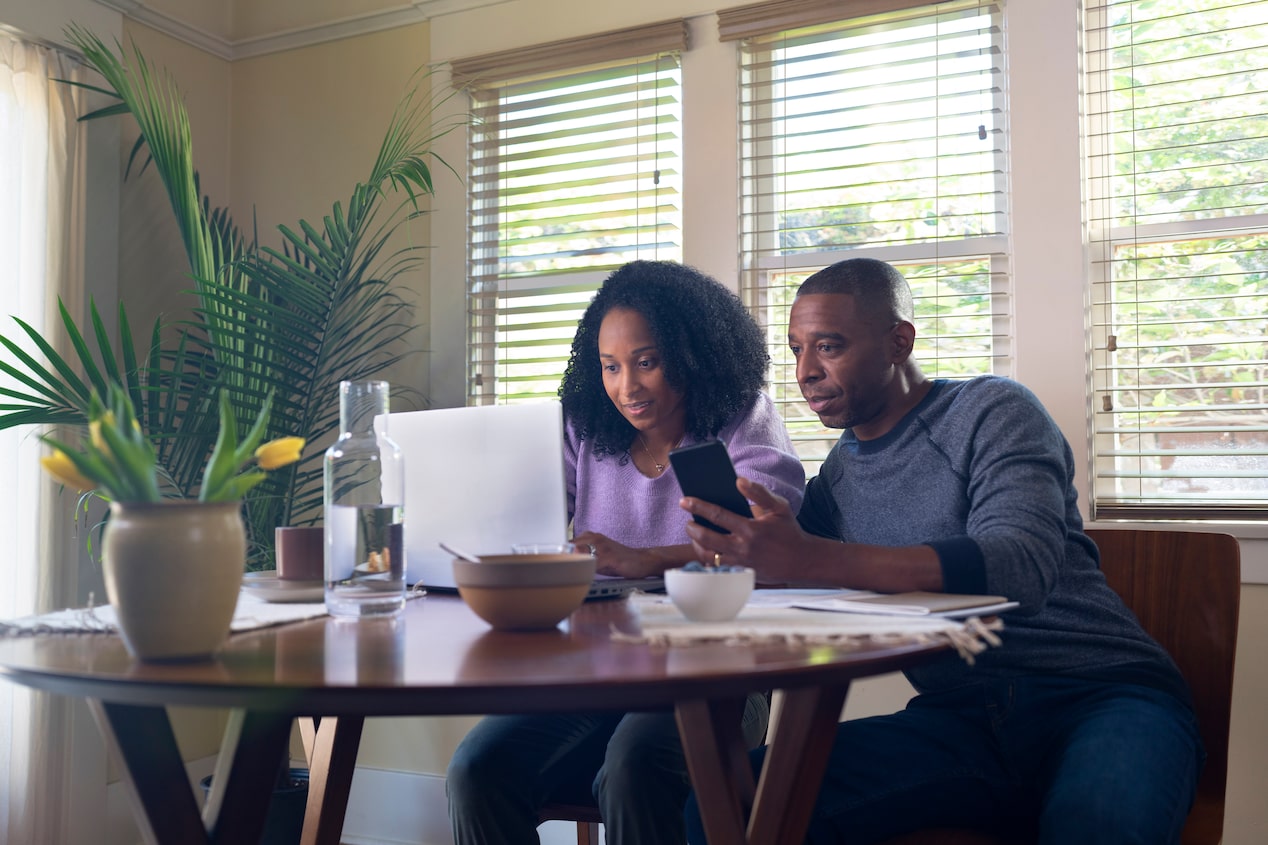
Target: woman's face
<point x="634" y="374"/>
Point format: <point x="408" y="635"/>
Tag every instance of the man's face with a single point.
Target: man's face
<point x="845" y="365"/>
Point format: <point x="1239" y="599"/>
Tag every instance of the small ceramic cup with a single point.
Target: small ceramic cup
<point x="300" y="552"/>
<point x="709" y="595"/>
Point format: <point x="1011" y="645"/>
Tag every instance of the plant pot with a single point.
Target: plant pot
<point x="173" y="570"/>
<point x="284" y="823"/>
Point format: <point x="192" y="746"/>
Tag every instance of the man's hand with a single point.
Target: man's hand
<point x="771" y="542"/>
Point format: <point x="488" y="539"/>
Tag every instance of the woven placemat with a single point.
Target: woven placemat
<point x="662" y="624"/>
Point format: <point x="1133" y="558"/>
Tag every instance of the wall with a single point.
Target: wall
<point x="47" y="20"/>
<point x="153" y="270"/>
<point x="307" y="125"/>
<point x="1246" y="812"/>
<point x="252" y="18"/>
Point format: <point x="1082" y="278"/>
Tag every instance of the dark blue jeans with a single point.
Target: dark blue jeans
<point x="1072" y="760"/>
<point x="630" y="764"/>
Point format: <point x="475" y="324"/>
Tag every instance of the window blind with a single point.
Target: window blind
<point x="573" y="172"/>
<point x="883" y="136"/>
<point x="1177" y="114"/>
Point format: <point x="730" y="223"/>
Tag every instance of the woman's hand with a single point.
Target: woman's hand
<point x="613" y="558"/>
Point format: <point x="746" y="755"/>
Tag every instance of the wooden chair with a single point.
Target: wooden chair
<point x="1185" y="588"/>
<point x="585" y="815"/>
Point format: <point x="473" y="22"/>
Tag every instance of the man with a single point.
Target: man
<point x="1079" y="725"/>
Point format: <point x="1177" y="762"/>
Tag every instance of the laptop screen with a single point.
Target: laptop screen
<point x="479" y="478"/>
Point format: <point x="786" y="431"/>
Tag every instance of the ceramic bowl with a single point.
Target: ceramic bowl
<point x="709" y="595"/>
<point x="524" y="592"/>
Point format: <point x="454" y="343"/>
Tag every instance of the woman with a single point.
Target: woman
<point x="664" y="356"/>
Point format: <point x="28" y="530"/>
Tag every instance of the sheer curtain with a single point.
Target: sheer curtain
<point x="41" y="258"/>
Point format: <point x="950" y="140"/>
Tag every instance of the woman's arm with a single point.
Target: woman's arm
<point x="762" y="451"/>
<point x="613" y="558"/>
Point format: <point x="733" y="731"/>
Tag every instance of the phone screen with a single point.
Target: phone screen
<point x="704" y="471"/>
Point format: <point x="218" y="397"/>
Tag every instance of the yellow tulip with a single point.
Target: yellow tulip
<point x="61" y="468"/>
<point x="279" y="452"/>
<point x="94" y="431"/>
<point x="106" y="419"/>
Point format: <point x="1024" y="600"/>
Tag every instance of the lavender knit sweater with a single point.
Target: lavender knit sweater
<point x="607" y="493"/>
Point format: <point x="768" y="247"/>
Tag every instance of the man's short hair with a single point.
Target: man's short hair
<point x="881" y="292"/>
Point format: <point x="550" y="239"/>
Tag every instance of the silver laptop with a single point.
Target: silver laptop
<point x="480" y="479"/>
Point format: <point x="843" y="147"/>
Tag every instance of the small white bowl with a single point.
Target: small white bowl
<point x="709" y="595"/>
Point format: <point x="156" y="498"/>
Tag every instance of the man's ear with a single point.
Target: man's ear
<point x="903" y="339"/>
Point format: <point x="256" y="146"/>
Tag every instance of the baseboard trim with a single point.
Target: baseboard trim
<point x="409" y="808"/>
<point x="385" y="807"/>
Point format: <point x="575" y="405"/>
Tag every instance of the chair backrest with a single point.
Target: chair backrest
<point x="1185" y="588"/>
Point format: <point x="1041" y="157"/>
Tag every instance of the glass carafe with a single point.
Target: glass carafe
<point x="364" y="507"/>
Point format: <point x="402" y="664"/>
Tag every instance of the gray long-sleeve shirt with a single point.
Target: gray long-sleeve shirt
<point x="980" y="472"/>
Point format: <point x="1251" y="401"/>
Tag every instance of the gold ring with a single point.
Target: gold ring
<point x="717" y="559"/>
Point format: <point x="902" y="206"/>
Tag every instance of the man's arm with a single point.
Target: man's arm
<point x="780" y="551"/>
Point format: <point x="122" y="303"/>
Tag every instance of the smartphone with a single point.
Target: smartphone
<point x="705" y="472"/>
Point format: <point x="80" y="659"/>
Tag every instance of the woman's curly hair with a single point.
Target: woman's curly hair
<point x="712" y="351"/>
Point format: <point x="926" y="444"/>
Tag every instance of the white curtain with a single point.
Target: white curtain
<point x="41" y="258"/>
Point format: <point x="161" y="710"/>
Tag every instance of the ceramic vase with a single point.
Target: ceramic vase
<point x="173" y="570"/>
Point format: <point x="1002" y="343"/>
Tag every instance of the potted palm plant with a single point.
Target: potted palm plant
<point x="290" y="321"/>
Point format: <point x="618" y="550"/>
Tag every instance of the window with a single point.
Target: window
<point x="574" y="171"/>
<point x="880" y="136"/>
<point x="1177" y="167"/>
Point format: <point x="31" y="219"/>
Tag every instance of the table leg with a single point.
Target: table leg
<point x="717" y="759"/>
<point x="794" y="765"/>
<point x="165" y="808"/>
<point x="308" y="735"/>
<point x="253" y="750"/>
<point x="332" y="757"/>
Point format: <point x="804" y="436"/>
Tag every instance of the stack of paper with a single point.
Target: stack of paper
<point x="945" y="605"/>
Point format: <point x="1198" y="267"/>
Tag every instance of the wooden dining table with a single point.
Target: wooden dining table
<point x="438" y="658"/>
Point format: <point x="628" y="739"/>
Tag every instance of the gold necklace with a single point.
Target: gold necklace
<point x="659" y="466"/>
